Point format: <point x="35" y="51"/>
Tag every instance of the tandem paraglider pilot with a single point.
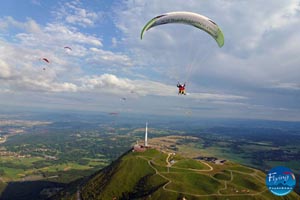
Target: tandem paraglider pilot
<point x="181" y="88"/>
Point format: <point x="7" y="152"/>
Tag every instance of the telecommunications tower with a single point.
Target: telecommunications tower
<point x="146" y="135"/>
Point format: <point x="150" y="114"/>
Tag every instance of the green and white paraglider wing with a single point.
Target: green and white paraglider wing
<point x="189" y="18"/>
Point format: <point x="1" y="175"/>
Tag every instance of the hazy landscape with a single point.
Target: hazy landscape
<point x="57" y="149"/>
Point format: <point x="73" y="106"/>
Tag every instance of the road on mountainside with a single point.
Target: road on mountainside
<point x="151" y="162"/>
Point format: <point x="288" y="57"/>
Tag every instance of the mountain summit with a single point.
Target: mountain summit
<point x="154" y="174"/>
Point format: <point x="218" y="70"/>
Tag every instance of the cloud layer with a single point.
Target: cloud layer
<point x="255" y="74"/>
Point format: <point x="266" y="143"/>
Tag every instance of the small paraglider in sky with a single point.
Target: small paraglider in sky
<point x="46" y="60"/>
<point x="181" y="88"/>
<point x="113" y="113"/>
<point x="68" y="48"/>
<point x="123" y="98"/>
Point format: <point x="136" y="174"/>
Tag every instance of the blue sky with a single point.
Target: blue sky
<point x="254" y="75"/>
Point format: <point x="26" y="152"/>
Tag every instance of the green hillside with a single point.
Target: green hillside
<point x="145" y="175"/>
<point x="2" y="186"/>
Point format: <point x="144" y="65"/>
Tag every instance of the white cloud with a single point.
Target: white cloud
<point x="29" y="25"/>
<point x="72" y="13"/>
<point x="287" y="86"/>
<point x="109" y="83"/>
<point x="66" y="34"/>
<point x="108" y="58"/>
<point x="44" y="85"/>
<point x="4" y="70"/>
<point x="286" y="15"/>
<point x="32" y="26"/>
<point x="211" y="96"/>
<point x="114" y="42"/>
<point x="55" y="34"/>
<point x="3" y="24"/>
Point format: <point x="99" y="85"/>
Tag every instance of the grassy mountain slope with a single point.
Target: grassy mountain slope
<point x="145" y="175"/>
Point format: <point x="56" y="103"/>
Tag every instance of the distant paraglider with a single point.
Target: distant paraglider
<point x="113" y="113"/>
<point x="68" y="48"/>
<point x="46" y="60"/>
<point x="181" y="88"/>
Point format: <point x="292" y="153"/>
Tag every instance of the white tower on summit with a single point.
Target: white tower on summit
<point x="146" y="135"/>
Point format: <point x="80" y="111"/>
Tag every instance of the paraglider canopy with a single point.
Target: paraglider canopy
<point x="46" y="60"/>
<point x="189" y="18"/>
<point x="113" y="113"/>
<point x="66" y="47"/>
